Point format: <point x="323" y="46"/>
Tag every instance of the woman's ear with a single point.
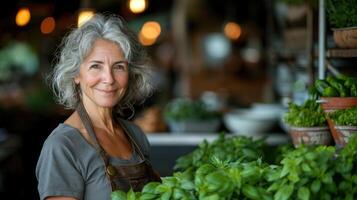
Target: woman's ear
<point x="76" y="79"/>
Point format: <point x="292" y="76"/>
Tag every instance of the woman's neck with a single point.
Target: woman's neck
<point x="101" y="117"/>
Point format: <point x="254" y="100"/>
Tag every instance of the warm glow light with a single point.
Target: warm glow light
<point x="137" y="6"/>
<point x="146" y="41"/>
<point x="23" y="17"/>
<point x="232" y="30"/>
<point x="151" y="30"/>
<point x="48" y="25"/>
<point x="84" y="16"/>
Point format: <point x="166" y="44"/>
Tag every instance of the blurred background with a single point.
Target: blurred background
<point x="248" y="59"/>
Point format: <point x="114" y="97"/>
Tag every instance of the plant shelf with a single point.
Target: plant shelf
<point x="342" y="53"/>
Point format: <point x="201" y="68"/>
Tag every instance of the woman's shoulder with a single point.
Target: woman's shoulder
<point x="63" y="135"/>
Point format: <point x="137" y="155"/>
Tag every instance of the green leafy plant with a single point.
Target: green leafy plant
<point x="342" y="86"/>
<point x="342" y="13"/>
<point x="183" y="109"/>
<point x="309" y="114"/>
<point x="307" y="172"/>
<point x="346" y="117"/>
<point x="224" y="148"/>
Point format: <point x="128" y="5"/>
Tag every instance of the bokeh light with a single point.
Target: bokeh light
<point x="23" y="16"/>
<point x="232" y="30"/>
<point x="48" y="25"/>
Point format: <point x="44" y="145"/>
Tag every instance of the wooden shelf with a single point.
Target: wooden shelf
<point x="342" y="53"/>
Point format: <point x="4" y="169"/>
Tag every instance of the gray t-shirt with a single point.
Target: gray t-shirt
<point x="70" y="166"/>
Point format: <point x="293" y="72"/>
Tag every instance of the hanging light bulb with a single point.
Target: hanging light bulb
<point x="23" y="16"/>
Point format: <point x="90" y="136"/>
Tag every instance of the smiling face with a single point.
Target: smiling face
<point x="103" y="75"/>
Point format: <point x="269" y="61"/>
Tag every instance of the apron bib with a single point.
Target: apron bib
<point x="122" y="177"/>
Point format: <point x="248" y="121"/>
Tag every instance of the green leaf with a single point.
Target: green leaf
<point x="284" y="192"/>
<point x="349" y="196"/>
<point x="315" y="186"/>
<point x="211" y="197"/>
<point x="148" y="196"/>
<point x="130" y="195"/>
<point x="118" y="195"/>
<point x="303" y="193"/>
<point x="293" y="176"/>
<point x="166" y="195"/>
<point x="327" y="178"/>
<point x="306" y="168"/>
<point x="251" y="192"/>
<point x="178" y="193"/>
<point x="150" y="187"/>
<point x="162" y="189"/>
<point x="169" y="181"/>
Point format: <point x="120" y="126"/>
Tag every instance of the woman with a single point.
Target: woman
<point x="100" y="72"/>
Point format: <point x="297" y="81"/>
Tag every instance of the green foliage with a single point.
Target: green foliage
<point x="307" y="172"/>
<point x="230" y="149"/>
<point x="185" y="109"/>
<point x="342" y="86"/>
<point x="310" y="114"/>
<point x="346" y="117"/>
<point x="304" y="173"/>
<point x="342" y="13"/>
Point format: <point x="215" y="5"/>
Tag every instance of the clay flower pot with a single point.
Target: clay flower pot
<point x="310" y="135"/>
<point x="341" y="134"/>
<point x="344" y="133"/>
<point x="345" y="37"/>
<point x="330" y="104"/>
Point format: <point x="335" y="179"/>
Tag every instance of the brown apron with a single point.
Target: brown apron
<point x="126" y="176"/>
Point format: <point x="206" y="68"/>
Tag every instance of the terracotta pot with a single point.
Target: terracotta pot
<point x="310" y="135"/>
<point x="341" y="134"/>
<point x="337" y="103"/>
<point x="330" y="104"/>
<point x="345" y="37"/>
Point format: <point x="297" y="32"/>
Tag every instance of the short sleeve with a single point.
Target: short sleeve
<point x="57" y="170"/>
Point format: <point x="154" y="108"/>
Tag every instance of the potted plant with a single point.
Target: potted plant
<point x="186" y="115"/>
<point x="307" y="124"/>
<point x="336" y="92"/>
<point x="342" y="15"/>
<point x="344" y="124"/>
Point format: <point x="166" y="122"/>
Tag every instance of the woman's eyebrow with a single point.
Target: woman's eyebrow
<point x="117" y="62"/>
<point x="121" y="62"/>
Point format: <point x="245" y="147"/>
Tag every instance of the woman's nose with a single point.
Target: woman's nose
<point x="108" y="76"/>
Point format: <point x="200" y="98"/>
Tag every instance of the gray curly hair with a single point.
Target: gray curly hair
<point x="76" y="46"/>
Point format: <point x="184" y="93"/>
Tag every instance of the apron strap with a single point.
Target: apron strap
<point x="132" y="139"/>
<point x="110" y="170"/>
<point x="89" y="127"/>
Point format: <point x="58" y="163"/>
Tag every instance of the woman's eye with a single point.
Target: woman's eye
<point x="119" y="67"/>
<point x="95" y="66"/>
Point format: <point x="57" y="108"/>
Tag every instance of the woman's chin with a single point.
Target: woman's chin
<point x="104" y="104"/>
